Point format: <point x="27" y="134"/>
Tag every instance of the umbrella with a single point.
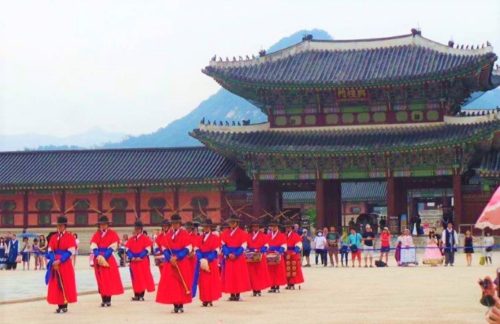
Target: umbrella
<point x="27" y="234"/>
<point x="490" y="217"/>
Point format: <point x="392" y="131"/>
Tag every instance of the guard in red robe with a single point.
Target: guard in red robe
<point x="293" y="257"/>
<point x="207" y="266"/>
<point x="257" y="269"/>
<point x="138" y="250"/>
<point x="103" y="243"/>
<point x="177" y="273"/>
<point x="235" y="278"/>
<point x="277" y="246"/>
<point x="60" y="276"/>
<point x="158" y="252"/>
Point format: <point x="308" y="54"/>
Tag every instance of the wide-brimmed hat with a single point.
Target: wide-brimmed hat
<point x="273" y="222"/>
<point x="176" y="218"/>
<point x="206" y="222"/>
<point x="103" y="220"/>
<point x="165" y="222"/>
<point x="188" y="225"/>
<point x="288" y="224"/>
<point x="138" y="224"/>
<point x="62" y="220"/>
<point x="233" y="218"/>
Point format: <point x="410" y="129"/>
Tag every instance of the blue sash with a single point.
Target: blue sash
<point x="210" y="256"/>
<point x="279" y="249"/>
<point x="51" y="256"/>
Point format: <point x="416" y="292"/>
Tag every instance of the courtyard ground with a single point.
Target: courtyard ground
<point x="330" y="295"/>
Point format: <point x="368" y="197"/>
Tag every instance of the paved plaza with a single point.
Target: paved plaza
<point x="378" y="295"/>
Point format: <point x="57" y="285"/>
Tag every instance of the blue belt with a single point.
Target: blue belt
<point x="178" y="253"/>
<point x="51" y="256"/>
<point x="210" y="256"/>
<point x="279" y="249"/>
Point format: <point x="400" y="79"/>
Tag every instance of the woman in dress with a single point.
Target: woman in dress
<point x="408" y="253"/>
<point x="468" y="247"/>
<point x="42" y="244"/>
<point x="432" y="255"/>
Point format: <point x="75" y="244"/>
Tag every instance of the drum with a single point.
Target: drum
<point x="291" y="269"/>
<point x="253" y="257"/>
<point x="273" y="258"/>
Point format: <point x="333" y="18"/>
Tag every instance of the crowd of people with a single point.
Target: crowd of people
<point x="213" y="260"/>
<point x="30" y="251"/>
<point x="362" y="246"/>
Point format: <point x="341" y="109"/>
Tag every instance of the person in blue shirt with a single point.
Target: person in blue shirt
<point x="354" y="240"/>
<point x="13" y="248"/>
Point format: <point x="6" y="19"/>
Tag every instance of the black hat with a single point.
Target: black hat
<point x="176" y="218"/>
<point x="288" y="223"/>
<point x="103" y="220"/>
<point x="273" y="222"/>
<point x="62" y="220"/>
<point x="188" y="225"/>
<point x="233" y="218"/>
<point x="207" y="222"/>
<point x="254" y="222"/>
<point x="138" y="224"/>
<point x="165" y="222"/>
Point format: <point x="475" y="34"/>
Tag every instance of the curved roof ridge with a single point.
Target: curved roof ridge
<point x="98" y="150"/>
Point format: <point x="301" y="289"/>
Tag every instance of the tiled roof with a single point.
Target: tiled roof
<point x="490" y="164"/>
<point x="49" y="169"/>
<point x="336" y="140"/>
<point x="377" y="62"/>
<point x="351" y="191"/>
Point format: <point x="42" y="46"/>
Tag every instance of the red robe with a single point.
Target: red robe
<point x="140" y="271"/>
<point x="277" y="272"/>
<point x="66" y="270"/>
<point x="171" y="290"/>
<point x="108" y="279"/>
<point x="235" y="277"/>
<point x="259" y="274"/>
<point x="195" y="242"/>
<point x="293" y="259"/>
<point x="160" y="238"/>
<point x="210" y="282"/>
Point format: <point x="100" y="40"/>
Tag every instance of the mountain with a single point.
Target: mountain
<point x="92" y="138"/>
<point x="222" y="106"/>
<point x="483" y="100"/>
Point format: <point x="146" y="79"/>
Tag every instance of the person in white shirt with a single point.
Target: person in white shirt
<point x="450" y="242"/>
<point x="320" y="244"/>
<point x="488" y="242"/>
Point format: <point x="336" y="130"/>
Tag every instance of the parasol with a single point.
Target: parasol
<point x="490" y="217"/>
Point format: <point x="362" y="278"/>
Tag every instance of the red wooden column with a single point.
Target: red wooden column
<point x="336" y="204"/>
<point x="257" y="193"/>
<point x="391" y="197"/>
<point x="457" y="198"/>
<point x="25" y="208"/>
<point x="176" y="199"/>
<point x="320" y="203"/>
<point x="138" y="202"/>
<point x="224" y="207"/>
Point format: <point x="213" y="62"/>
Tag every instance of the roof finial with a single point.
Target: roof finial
<point x="214" y="58"/>
<point x="262" y="53"/>
<point x="307" y="37"/>
<point x="488" y="43"/>
<point x="416" y="31"/>
<point x="451" y="43"/>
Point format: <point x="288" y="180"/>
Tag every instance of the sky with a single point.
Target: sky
<point x="134" y="66"/>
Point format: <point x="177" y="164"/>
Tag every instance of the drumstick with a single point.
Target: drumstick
<point x="180" y="273"/>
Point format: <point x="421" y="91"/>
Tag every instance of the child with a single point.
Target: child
<point x="36" y="254"/>
<point x="468" y="247"/>
<point x="385" y="244"/>
<point x="488" y="242"/>
<point x="25" y="252"/>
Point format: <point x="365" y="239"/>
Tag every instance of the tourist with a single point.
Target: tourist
<point x="35" y="249"/>
<point x="306" y="247"/>
<point x="368" y="245"/>
<point x="12" y="252"/>
<point x="3" y="256"/>
<point x="26" y="253"/>
<point x="344" y="249"/>
<point x="385" y="245"/>
<point x="102" y="244"/>
<point x="491" y="299"/>
<point x="468" y="247"/>
<point x="122" y="255"/>
<point x="450" y="242"/>
<point x="43" y="249"/>
<point x="60" y="276"/>
<point x="138" y="250"/>
<point x="488" y="243"/>
<point x="408" y="253"/>
<point x="355" y="246"/>
<point x="76" y="250"/>
<point x="432" y="255"/>
<point x="320" y="244"/>
<point x="177" y="274"/>
<point x="332" y="239"/>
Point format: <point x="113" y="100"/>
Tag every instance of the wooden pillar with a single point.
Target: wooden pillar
<point x="391" y="197"/>
<point x="138" y="202"/>
<point x="336" y="204"/>
<point x="224" y="207"/>
<point x="320" y="203"/>
<point x="256" y="203"/>
<point x="100" y="201"/>
<point x="457" y="199"/>
<point x="25" y="208"/>
<point x="63" y="202"/>
<point x="176" y="199"/>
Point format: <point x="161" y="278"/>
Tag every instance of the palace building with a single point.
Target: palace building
<point x="379" y="114"/>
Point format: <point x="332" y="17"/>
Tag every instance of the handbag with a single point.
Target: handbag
<point x="482" y="260"/>
<point x="354" y="248"/>
<point x="19" y="259"/>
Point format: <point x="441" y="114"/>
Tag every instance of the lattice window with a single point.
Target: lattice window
<point x="7" y="208"/>
<point x="157" y="206"/>
<point x="44" y="207"/>
<point x="81" y="211"/>
<point x="199" y="206"/>
<point x="119" y="213"/>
